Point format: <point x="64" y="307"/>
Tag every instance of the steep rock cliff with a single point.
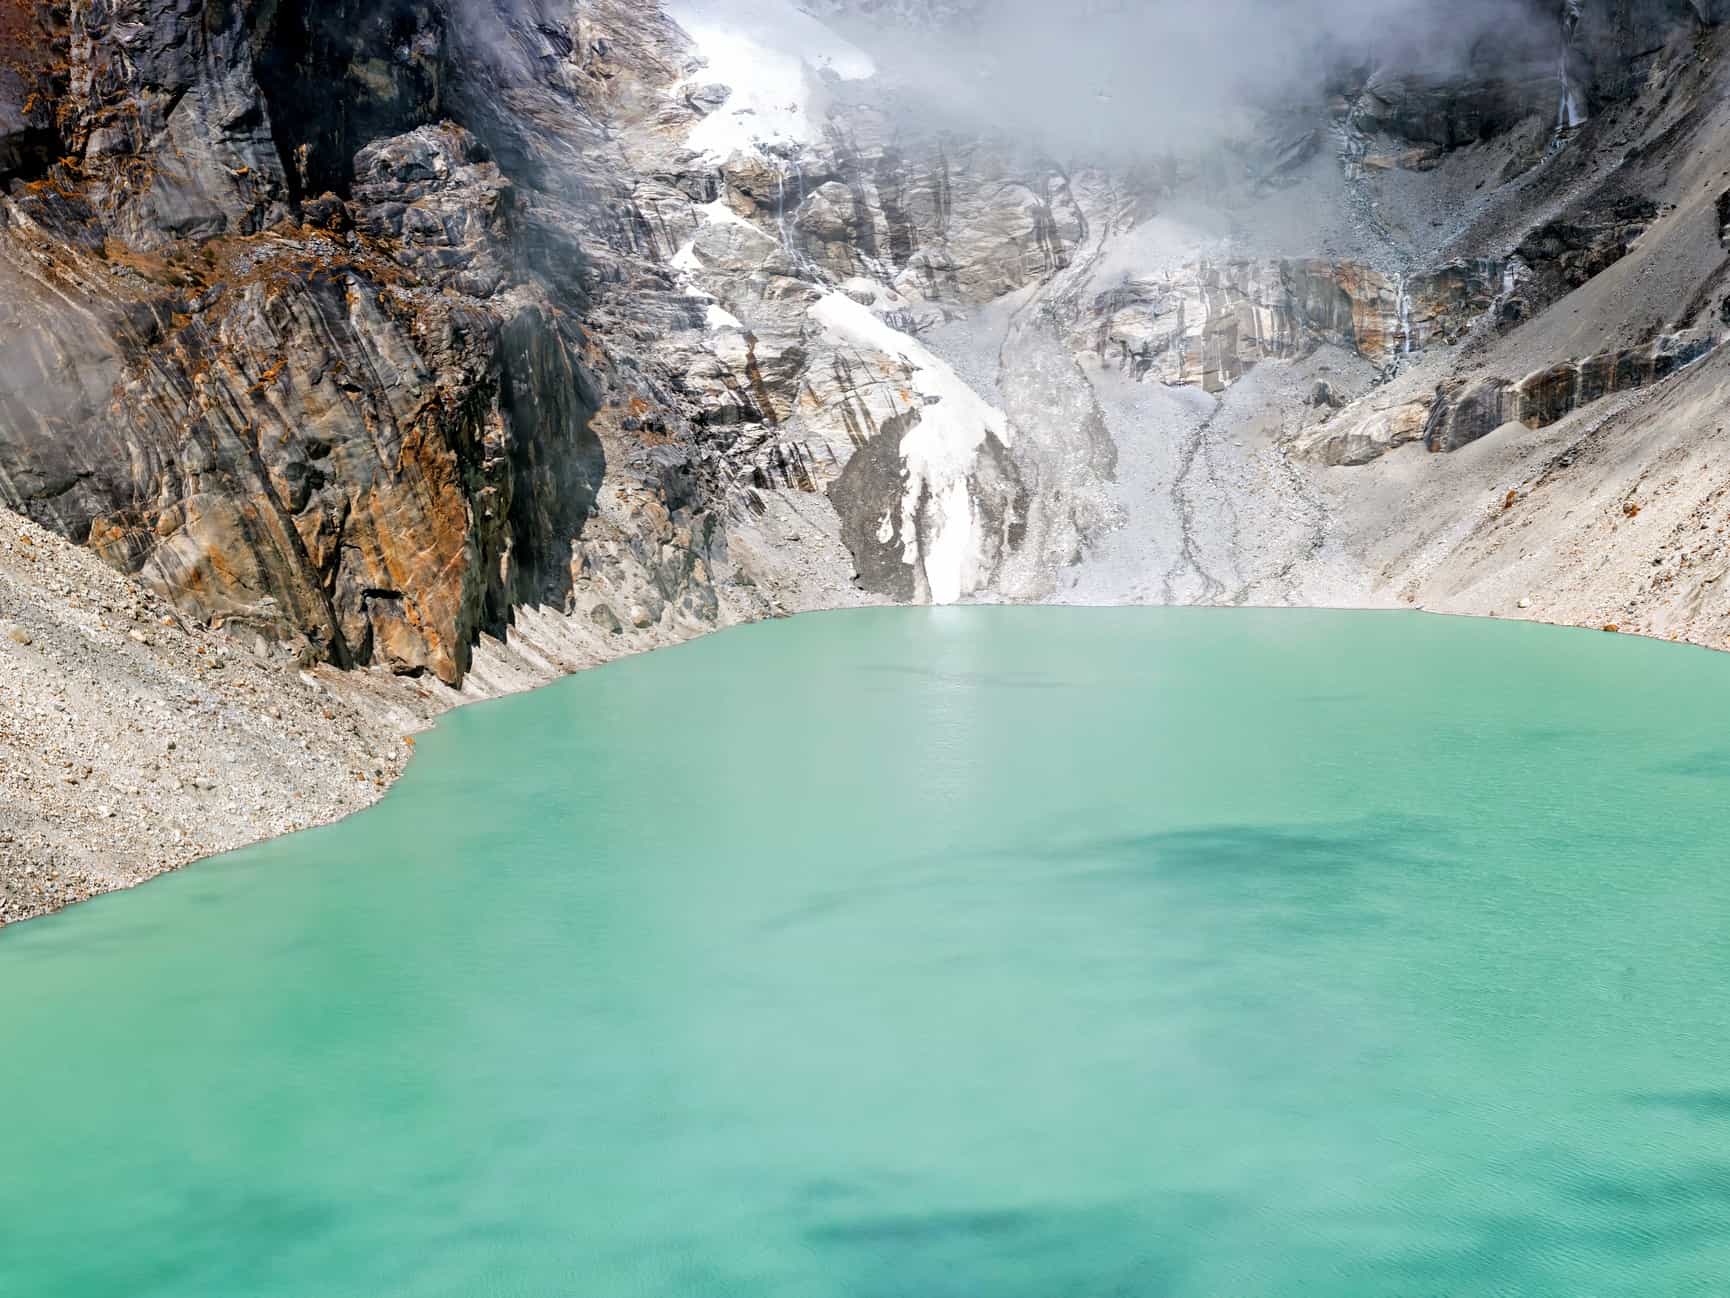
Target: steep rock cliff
<point x="366" y="328"/>
<point x="274" y="342"/>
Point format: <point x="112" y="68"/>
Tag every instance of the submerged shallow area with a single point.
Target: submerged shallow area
<point x="1020" y="952"/>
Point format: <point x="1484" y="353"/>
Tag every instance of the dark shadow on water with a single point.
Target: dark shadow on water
<point x="1339" y="848"/>
<point x="1270" y="882"/>
<point x="1577" y="1223"/>
<point x="1112" y="1251"/>
<point x="915" y="1230"/>
<point x="1315" y="869"/>
<point x="204" y="1228"/>
<point x="1709" y="764"/>
<point x="1704" y="1185"/>
<point x="1581" y="1225"/>
<point x="1705" y="1104"/>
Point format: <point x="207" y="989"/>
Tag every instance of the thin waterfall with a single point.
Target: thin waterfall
<point x="1570" y="107"/>
<point x="781" y="207"/>
<point x="1405" y="317"/>
<point x="783" y="167"/>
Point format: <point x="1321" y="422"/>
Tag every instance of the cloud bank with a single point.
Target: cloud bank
<point x="1147" y="76"/>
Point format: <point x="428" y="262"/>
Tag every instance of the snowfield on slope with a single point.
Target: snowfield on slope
<point x="771" y="55"/>
<point x="938" y="453"/>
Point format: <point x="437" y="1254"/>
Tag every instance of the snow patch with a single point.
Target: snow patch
<point x="769" y="54"/>
<point x="718" y="317"/>
<point x="862" y="290"/>
<point x="718" y="213"/>
<point x="938" y="452"/>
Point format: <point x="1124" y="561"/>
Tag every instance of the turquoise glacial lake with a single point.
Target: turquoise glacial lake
<point x="956" y="953"/>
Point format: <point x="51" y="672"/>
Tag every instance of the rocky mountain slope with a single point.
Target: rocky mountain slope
<point x="433" y="348"/>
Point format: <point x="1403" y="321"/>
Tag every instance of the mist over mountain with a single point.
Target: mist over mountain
<point x="1127" y="78"/>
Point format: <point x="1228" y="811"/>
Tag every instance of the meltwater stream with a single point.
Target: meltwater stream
<point x="1020" y="953"/>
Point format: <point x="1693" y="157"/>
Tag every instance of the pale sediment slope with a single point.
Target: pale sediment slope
<point x="1620" y="515"/>
<point x="133" y="740"/>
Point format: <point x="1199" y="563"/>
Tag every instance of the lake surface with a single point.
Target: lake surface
<point x="957" y="953"/>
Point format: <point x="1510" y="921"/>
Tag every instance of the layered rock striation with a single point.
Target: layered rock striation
<point x="357" y="329"/>
<point x="274" y="341"/>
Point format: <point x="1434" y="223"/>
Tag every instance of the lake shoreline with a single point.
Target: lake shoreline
<point x="322" y="712"/>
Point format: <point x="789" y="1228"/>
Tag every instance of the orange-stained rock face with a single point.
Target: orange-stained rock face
<point x="1377" y="326"/>
<point x="310" y="472"/>
<point x="32" y="68"/>
<point x="293" y="432"/>
<point x="274" y="336"/>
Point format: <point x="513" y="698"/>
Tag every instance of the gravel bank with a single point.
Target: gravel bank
<point x="132" y="742"/>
